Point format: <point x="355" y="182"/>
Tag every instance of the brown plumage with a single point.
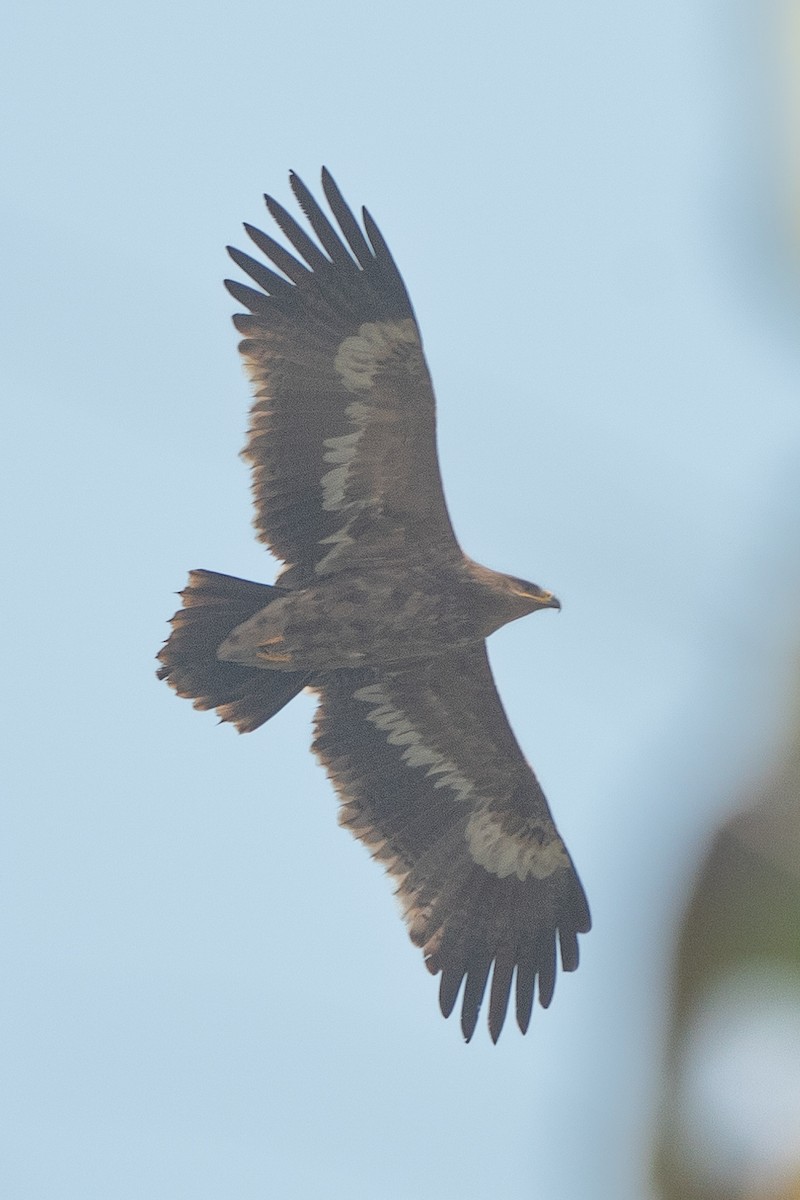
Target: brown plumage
<point x="378" y="610"/>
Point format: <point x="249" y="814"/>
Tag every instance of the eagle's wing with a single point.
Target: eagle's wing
<point x="432" y="780"/>
<point x="342" y="434"/>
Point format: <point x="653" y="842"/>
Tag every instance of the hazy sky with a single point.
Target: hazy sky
<point x="207" y="991"/>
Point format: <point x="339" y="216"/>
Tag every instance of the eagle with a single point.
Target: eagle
<point x="379" y="612"/>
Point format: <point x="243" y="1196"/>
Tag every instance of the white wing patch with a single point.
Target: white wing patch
<point x="341" y="452"/>
<point x="358" y="361"/>
<point x="361" y="357"/>
<point x="338" y="542"/>
<point x="400" y="732"/>
<point x="521" y="854"/>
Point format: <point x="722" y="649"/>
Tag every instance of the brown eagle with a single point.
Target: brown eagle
<point x="382" y="615"/>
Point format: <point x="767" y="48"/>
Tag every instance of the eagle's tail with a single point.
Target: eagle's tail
<point x="213" y="605"/>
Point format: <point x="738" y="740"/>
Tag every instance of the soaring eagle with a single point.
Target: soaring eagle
<point x="380" y="613"/>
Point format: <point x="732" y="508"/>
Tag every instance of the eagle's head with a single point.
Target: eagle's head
<point x="505" y="598"/>
<point x="528" y="597"/>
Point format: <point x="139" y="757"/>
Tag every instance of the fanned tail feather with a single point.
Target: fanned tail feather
<point x="213" y="605"/>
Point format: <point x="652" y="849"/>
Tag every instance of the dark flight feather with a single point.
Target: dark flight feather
<point x="322" y="227"/>
<point x="271" y="282"/>
<point x="347" y="222"/>
<point x="278" y="255"/>
<point x="302" y="243"/>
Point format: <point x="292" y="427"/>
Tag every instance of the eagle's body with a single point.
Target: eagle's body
<point x="383" y="616"/>
<point x="380" y="612"/>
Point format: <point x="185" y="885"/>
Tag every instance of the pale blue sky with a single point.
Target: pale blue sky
<point x="207" y="991"/>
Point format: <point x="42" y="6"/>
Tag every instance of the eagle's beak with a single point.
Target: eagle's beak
<point x="548" y="600"/>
